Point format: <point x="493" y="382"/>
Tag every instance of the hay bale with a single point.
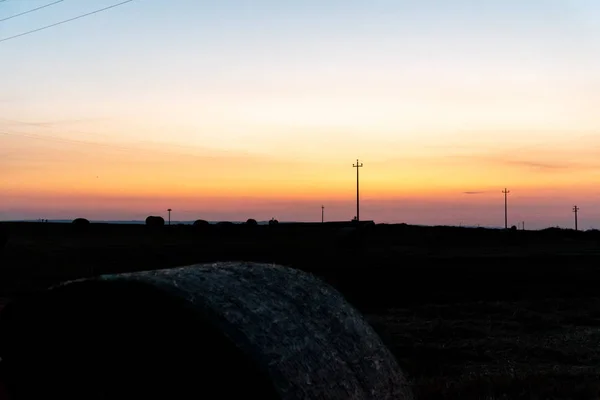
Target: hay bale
<point x="226" y="228"/>
<point x="225" y="224"/>
<point x="202" y="226"/>
<point x="155" y="221"/>
<point x="246" y="330"/>
<point x="201" y="223"/>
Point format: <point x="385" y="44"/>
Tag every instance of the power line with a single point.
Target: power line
<point x="65" y="21"/>
<point x="30" y="11"/>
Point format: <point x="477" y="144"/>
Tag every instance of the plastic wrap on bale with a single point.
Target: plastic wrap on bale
<point x="204" y="331"/>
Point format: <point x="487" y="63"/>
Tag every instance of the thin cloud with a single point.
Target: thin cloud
<point x="523" y="163"/>
<point x="474" y="192"/>
<point x="50" y="124"/>
<point x="542" y="165"/>
<point x="551" y="166"/>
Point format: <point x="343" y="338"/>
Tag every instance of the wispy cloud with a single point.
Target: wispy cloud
<point x="541" y="165"/>
<point x="49" y="124"/>
<point x="474" y="192"/>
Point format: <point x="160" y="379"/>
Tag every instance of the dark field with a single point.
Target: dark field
<point x="469" y="313"/>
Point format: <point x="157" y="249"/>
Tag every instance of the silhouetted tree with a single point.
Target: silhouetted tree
<point x="155" y="221"/>
<point x="273" y="221"/>
<point x="80" y="221"/>
<point x="251" y="222"/>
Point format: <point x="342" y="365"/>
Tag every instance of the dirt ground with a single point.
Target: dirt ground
<point x="469" y="314"/>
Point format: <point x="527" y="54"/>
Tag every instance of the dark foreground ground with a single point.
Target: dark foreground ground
<point x="469" y="313"/>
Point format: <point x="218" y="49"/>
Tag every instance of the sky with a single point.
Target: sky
<point x="231" y="109"/>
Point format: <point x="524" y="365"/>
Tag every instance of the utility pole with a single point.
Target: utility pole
<point x="357" y="166"/>
<point x="169" y="210"/>
<point x="322" y="214"/>
<point x="575" y="210"/>
<point x="506" y="192"/>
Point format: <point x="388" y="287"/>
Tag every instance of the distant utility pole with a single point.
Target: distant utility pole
<point x="322" y="214"/>
<point x="506" y="192"/>
<point x="357" y="166"/>
<point x="169" y="210"/>
<point x="575" y="210"/>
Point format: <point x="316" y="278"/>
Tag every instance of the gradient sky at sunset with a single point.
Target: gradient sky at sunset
<point x="231" y="109"/>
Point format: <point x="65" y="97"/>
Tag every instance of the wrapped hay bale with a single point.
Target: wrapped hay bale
<point x="155" y="221"/>
<point x="218" y="330"/>
<point x="201" y="223"/>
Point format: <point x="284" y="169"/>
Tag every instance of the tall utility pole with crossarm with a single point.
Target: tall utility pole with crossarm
<point x="576" y="210"/>
<point x="357" y="166"/>
<point x="506" y="192"/>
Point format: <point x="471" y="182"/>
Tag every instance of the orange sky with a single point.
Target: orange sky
<point x="60" y="178"/>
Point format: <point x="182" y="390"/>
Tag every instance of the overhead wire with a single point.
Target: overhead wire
<point x="65" y="21"/>
<point x="30" y="11"/>
<point x="62" y="139"/>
